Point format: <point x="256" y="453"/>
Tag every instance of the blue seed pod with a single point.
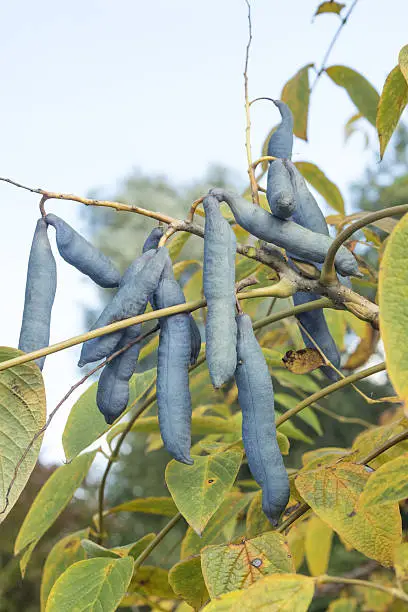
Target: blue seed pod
<point x="113" y="387"/>
<point x="153" y="239"/>
<point x="279" y="190"/>
<point x="307" y="212"/>
<point x="255" y="396"/>
<point x="219" y="291"/>
<point x="297" y="240"/>
<point x="172" y="386"/>
<point x="129" y="301"/>
<point x="40" y="291"/>
<point x="195" y="340"/>
<point x="136" y="266"/>
<point x="82" y="254"/>
<point x="281" y="141"/>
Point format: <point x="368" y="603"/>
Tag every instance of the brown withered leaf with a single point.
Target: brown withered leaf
<point x="302" y="361"/>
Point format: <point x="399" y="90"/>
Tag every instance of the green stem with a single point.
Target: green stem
<point x="381" y="449"/>
<point x="300" y="511"/>
<point x="289" y="312"/>
<point x="363" y="583"/>
<point x="159" y="537"/>
<point x="328" y="273"/>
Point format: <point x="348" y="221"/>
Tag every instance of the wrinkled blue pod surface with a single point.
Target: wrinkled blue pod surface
<point x="279" y="190"/>
<point x="255" y="396"/>
<point x="40" y="291"/>
<point x="281" y="142"/>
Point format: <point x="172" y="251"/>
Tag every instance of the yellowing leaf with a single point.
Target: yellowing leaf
<point x="85" y="423"/>
<point x="393" y="100"/>
<point x="296" y="541"/>
<point x="319" y="181"/>
<point x="375" y="437"/>
<point x="318" y="545"/>
<point x="231" y="567"/>
<point x="186" y="580"/>
<point x="163" y="506"/>
<point x="302" y="361"/>
<point x="393" y="302"/>
<point x="401" y="565"/>
<point x="49" y="503"/>
<point x="231" y="507"/>
<point x="296" y="95"/>
<point x="388" y="484"/>
<point x="176" y="244"/>
<point x="22" y="415"/>
<point x="199" y="489"/>
<point x="343" y="604"/>
<point x="364" y="349"/>
<point x="93" y="584"/>
<point x="256" y="520"/>
<point x="329" y="7"/>
<point x="361" y="92"/>
<point x="64" y="553"/>
<point x="333" y="491"/>
<point x="403" y="61"/>
<point x="324" y="455"/>
<point x="276" y="593"/>
<point x="150" y="581"/>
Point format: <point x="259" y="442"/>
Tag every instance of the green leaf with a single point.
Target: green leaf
<point x="388" y="484"/>
<point x="401" y="565"/>
<point x="277" y="593"/>
<point x="377" y="436"/>
<point x="53" y="497"/>
<point x="94" y="585"/>
<point x="149" y="347"/>
<point x="329" y="7"/>
<point x="283" y="443"/>
<point x="93" y="549"/>
<point x="245" y="267"/>
<point x="256" y="520"/>
<point x="403" y="61"/>
<point x="307" y="415"/>
<point x="64" y="553"/>
<point x="333" y="492"/>
<point x="323" y="185"/>
<point x="231" y="507"/>
<point x="318" y="546"/>
<point x="22" y="415"/>
<point x="199" y="489"/>
<point x="291" y="431"/>
<point x="136" y="548"/>
<point x="296" y="95"/>
<point x="393" y="302"/>
<point x="361" y="92"/>
<point x="186" y="580"/>
<point x="194" y="286"/>
<point x="288" y="379"/>
<point x="85" y="424"/>
<point x="393" y="100"/>
<point x="151" y="581"/>
<point x="163" y="506"/>
<point x="200" y="425"/>
<point x="176" y="244"/>
<point x="229" y="567"/>
<point x="343" y="604"/>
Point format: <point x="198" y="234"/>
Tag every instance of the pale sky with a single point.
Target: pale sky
<point x="91" y="90"/>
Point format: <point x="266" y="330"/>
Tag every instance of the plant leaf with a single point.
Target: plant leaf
<point x="401" y="565"/>
<point x="22" y="415"/>
<point x="230" y="567"/>
<point x="296" y="95"/>
<point x="163" y="506"/>
<point x="361" y="92"/>
<point x="318" y="545"/>
<point x="323" y="185"/>
<point x="393" y="100"/>
<point x="256" y="520"/>
<point x="333" y="492"/>
<point x="199" y="489"/>
<point x="177" y="243"/>
<point x="403" y="61"/>
<point x="85" y="424"/>
<point x="64" y="553"/>
<point x="277" y="593"/>
<point x="329" y="7"/>
<point x="388" y="484"/>
<point x="93" y="584"/>
<point x="52" y="499"/>
<point x="393" y="301"/>
<point x="186" y="580"/>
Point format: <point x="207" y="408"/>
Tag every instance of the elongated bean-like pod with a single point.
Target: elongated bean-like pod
<point x="281" y="141"/>
<point x="40" y="291"/>
<point x="307" y="212"/>
<point x="219" y="291"/>
<point x="81" y="254"/>
<point x="195" y="340"/>
<point x="129" y="301"/>
<point x="173" y="393"/>
<point x="279" y="190"/>
<point x="153" y="239"/>
<point x="113" y="386"/>
<point x="297" y="240"/>
<point x="255" y="396"/>
<point x="136" y="266"/>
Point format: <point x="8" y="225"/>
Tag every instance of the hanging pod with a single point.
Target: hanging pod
<point x="82" y="254"/>
<point x="219" y="291"/>
<point x="279" y="190"/>
<point x="40" y="291"/>
<point x="281" y="142"/>
<point x="255" y="396"/>
<point x="172" y="386"/>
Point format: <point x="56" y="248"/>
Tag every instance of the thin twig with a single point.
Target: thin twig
<point x="384" y="447"/>
<point x="159" y="537"/>
<point x="61" y="402"/>
<point x="331" y="45"/>
<point x="253" y="183"/>
<point x="363" y="583"/>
